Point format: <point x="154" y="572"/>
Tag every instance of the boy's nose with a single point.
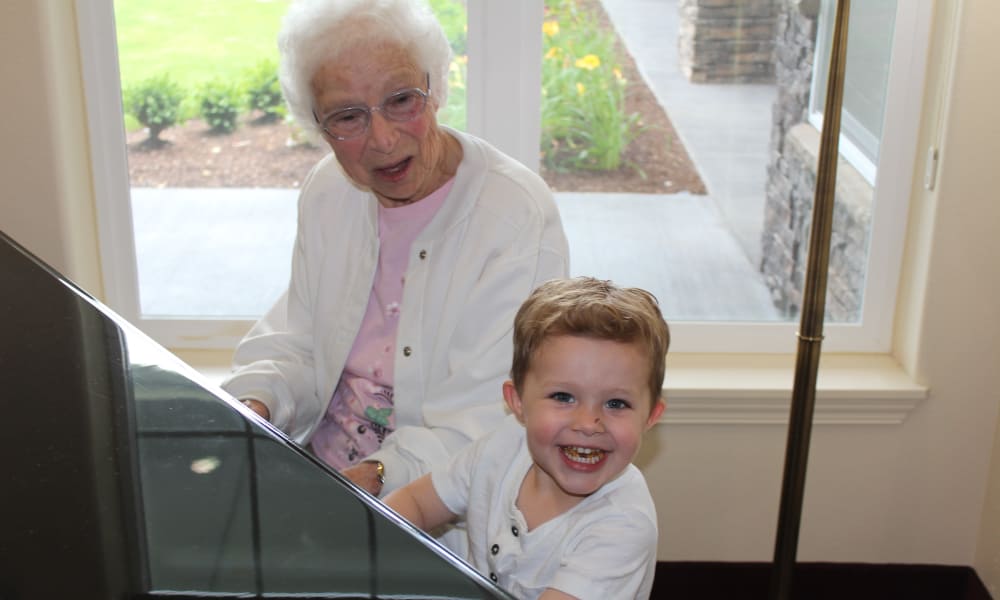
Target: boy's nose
<point x="588" y="421"/>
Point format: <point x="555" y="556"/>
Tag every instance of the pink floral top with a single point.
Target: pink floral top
<point x="360" y="414"/>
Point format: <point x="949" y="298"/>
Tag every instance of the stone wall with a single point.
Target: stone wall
<point x="792" y="181"/>
<point x="727" y="41"/>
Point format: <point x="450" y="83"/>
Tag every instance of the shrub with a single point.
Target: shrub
<point x="263" y="92"/>
<point x="155" y="102"/>
<point x="220" y="104"/>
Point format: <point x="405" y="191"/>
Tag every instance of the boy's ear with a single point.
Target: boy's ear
<point x="513" y="400"/>
<point x="654" y="415"/>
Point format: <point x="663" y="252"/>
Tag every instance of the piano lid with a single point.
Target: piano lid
<point x="127" y="475"/>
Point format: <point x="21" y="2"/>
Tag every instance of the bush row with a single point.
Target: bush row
<point x="157" y="102"/>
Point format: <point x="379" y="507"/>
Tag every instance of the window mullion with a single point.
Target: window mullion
<point x="505" y="76"/>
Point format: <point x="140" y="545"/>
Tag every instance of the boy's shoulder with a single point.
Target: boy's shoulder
<point x="498" y="447"/>
<point x="509" y="432"/>
<point x="627" y="494"/>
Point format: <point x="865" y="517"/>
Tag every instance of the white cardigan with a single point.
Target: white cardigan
<point x="496" y="237"/>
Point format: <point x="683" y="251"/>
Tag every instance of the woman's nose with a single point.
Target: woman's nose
<point x="382" y="133"/>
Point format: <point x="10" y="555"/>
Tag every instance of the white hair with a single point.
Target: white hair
<point x="317" y="32"/>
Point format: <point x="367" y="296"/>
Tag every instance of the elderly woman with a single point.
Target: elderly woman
<point x="415" y="246"/>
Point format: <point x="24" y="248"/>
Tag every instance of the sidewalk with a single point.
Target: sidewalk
<point x="698" y="254"/>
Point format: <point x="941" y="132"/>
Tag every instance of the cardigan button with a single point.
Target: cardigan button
<point x="423" y="254"/>
<point x="407" y="351"/>
<point x="495" y="549"/>
<point x="514" y="530"/>
<point x="493" y="577"/>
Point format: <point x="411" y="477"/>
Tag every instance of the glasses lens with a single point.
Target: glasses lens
<point x="352" y="122"/>
<point x="403" y="106"/>
<point x="349" y="122"/>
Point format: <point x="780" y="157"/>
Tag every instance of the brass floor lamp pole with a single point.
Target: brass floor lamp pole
<point x="811" y="325"/>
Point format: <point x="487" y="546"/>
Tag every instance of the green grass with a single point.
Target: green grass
<point x="195" y="41"/>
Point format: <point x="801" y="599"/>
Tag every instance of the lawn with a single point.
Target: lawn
<point x="195" y="41"/>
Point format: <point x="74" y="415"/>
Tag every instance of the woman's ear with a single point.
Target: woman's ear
<point x="513" y="400"/>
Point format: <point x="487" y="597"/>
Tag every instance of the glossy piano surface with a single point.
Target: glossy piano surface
<point x="126" y="475"/>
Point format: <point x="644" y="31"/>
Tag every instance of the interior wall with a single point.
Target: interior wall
<point x="914" y="492"/>
<point x="47" y="202"/>
<point x="959" y="348"/>
<point x="988" y="553"/>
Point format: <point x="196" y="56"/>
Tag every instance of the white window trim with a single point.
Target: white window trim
<point x="504" y="106"/>
<point x="105" y="120"/>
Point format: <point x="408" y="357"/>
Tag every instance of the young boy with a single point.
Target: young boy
<point x="553" y="505"/>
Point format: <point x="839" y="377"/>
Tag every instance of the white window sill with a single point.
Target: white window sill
<point x="739" y="389"/>
<point x="748" y="389"/>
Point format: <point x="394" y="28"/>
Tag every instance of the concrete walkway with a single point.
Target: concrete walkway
<point x="698" y="254"/>
<point x="225" y="252"/>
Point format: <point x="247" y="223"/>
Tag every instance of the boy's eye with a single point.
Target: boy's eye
<point x="561" y="397"/>
<point x="618" y="404"/>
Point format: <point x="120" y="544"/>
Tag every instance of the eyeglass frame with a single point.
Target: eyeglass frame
<point x="368" y="110"/>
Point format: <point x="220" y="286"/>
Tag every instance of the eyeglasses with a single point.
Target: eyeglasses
<point x="353" y="121"/>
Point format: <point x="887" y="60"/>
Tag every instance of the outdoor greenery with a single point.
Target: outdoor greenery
<point x="193" y="45"/>
<point x="193" y="42"/>
<point x="220" y="105"/>
<point x="154" y="102"/>
<point x="584" y="125"/>
<point x="453" y="18"/>
<point x="263" y="92"/>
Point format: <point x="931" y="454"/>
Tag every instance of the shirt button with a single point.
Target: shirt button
<point x="407" y="351"/>
<point x="423" y="254"/>
<point x="493" y="577"/>
<point x="495" y="549"/>
<point x="514" y="530"/>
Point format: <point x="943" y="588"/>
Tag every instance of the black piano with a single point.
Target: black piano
<point x="126" y="475"/>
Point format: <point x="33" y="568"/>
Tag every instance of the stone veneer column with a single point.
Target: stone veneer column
<point x="791" y="184"/>
<point x="727" y="41"/>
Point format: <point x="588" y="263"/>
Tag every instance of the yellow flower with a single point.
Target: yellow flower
<point x="553" y="52"/>
<point x="618" y="74"/>
<point x="580" y="88"/>
<point x="589" y="62"/>
<point x="550" y="28"/>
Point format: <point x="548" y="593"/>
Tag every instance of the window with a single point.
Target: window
<point x="869" y="50"/>
<point x="503" y="82"/>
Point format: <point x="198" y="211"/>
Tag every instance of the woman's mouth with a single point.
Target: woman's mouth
<point x="395" y="172"/>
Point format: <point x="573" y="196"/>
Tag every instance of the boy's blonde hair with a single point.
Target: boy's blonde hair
<point x="592" y="308"/>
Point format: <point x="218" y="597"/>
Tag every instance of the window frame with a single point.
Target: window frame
<point x="511" y="96"/>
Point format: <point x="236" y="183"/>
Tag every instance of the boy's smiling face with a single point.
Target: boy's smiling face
<point x="585" y="404"/>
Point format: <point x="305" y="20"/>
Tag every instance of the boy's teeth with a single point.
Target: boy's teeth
<point x="583" y="455"/>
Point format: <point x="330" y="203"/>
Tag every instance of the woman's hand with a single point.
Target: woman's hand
<point x="258" y="407"/>
<point x="365" y="475"/>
